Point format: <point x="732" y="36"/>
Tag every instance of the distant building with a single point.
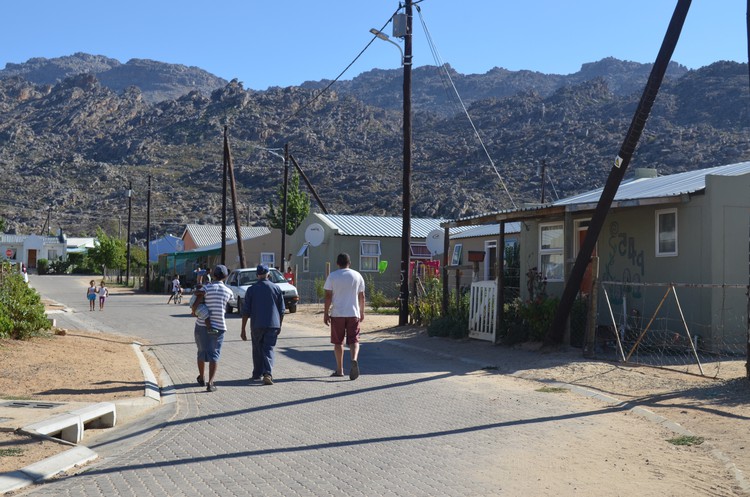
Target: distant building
<point x="28" y="249"/>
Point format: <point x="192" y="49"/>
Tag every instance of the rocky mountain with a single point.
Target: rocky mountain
<point x="71" y="149"/>
<point x="157" y="81"/>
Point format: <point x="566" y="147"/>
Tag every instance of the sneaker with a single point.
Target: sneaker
<point x="354" y="372"/>
<point x="211" y="387"/>
<point x="267" y="380"/>
<point x="200" y="381"/>
<point x="254" y="378"/>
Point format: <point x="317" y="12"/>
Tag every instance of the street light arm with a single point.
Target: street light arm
<point x="385" y="37"/>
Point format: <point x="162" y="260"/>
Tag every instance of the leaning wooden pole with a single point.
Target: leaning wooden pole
<point x="557" y="328"/>
<point x="309" y="185"/>
<point x="235" y="210"/>
<point x="747" y="362"/>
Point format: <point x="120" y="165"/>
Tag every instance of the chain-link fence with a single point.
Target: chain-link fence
<point x="695" y="328"/>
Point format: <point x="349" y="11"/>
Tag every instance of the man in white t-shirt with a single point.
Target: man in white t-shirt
<point x="344" y="310"/>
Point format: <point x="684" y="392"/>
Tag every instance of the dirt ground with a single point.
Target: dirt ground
<point x="99" y="367"/>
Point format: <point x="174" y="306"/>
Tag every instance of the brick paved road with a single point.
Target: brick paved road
<point x="414" y="424"/>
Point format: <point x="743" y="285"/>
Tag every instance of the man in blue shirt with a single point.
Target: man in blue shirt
<point x="264" y="306"/>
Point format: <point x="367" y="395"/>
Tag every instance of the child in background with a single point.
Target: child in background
<point x="103" y="294"/>
<point x="91" y="295"/>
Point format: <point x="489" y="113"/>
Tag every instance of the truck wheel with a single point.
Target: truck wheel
<point x="292" y="308"/>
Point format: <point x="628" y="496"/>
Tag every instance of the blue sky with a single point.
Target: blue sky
<point x="284" y="43"/>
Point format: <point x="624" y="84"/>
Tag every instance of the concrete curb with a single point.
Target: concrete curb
<point x="127" y="409"/>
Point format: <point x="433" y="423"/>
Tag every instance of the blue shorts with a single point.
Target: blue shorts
<point x="91" y="296"/>
<point x="209" y="346"/>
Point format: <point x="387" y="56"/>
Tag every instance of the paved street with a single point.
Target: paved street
<point x="414" y="424"/>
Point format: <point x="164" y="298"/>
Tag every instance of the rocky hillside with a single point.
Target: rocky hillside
<point x="70" y="149"/>
<point x="157" y="81"/>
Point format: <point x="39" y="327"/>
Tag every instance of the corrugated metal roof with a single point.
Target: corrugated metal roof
<point x="47" y="240"/>
<point x="375" y="226"/>
<point x="487" y="230"/>
<point x="208" y="234"/>
<point x="671" y="185"/>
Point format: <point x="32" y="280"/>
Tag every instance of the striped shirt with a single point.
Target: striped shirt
<point x="217" y="296"/>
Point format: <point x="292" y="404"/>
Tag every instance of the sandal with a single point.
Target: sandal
<point x="336" y="374"/>
<point x="200" y="381"/>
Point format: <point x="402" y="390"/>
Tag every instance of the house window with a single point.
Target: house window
<point x="52" y="255"/>
<point x="369" y="255"/>
<point x="457" y="250"/>
<point x="305" y="259"/>
<point x="551" y="251"/>
<point x="666" y="233"/>
<point x="420" y="251"/>
<point x="268" y="258"/>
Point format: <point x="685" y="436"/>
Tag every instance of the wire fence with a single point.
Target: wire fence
<point x="693" y="328"/>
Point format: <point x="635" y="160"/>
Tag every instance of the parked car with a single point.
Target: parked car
<point x="240" y="280"/>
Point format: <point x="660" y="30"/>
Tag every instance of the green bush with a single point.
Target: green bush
<point x="21" y="306"/>
<point x="528" y="320"/>
<point x="320" y="292"/>
<point x="428" y="306"/>
<point x="456" y="323"/>
<point x="59" y="267"/>
<point x="42" y="266"/>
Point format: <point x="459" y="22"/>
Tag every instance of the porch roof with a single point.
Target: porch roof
<point x="640" y="191"/>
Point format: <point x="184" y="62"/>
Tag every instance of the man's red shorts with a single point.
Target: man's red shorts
<point x="344" y="328"/>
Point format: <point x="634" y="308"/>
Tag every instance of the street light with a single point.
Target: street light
<point x="387" y="38"/>
<point x="406" y="56"/>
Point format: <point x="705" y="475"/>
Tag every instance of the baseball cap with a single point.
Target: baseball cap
<point x="261" y="269"/>
<point x="221" y="271"/>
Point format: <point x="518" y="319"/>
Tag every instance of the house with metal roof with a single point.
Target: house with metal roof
<point x="29" y="249"/>
<point x="259" y="244"/>
<point x="372" y="242"/>
<point x="688" y="230"/>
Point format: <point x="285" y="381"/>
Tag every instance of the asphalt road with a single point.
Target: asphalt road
<point x="416" y="423"/>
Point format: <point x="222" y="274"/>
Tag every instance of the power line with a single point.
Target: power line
<point x="321" y="92"/>
<point x="441" y="65"/>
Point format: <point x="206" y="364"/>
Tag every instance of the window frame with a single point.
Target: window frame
<point x="657" y="231"/>
<point x="426" y="255"/>
<point x="368" y="256"/>
<point x="264" y="255"/>
<point x="555" y="251"/>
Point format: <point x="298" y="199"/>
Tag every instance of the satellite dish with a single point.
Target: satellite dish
<point x="435" y="241"/>
<point x="314" y="234"/>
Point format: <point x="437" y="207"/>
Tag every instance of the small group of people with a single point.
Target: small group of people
<point x="264" y="308"/>
<point x="93" y="292"/>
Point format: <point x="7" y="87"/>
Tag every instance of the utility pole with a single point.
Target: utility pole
<point x="130" y="211"/>
<point x="224" y="206"/>
<point x="235" y="209"/>
<point x="148" y="236"/>
<point x="543" y="171"/>
<point x="403" y="313"/>
<point x="286" y="205"/>
<point x="573" y="284"/>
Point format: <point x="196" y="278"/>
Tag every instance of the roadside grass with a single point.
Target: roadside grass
<point x="11" y="452"/>
<point x="552" y="390"/>
<point x="686" y="440"/>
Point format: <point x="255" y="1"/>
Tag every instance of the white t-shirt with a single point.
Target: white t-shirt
<point x="346" y="285"/>
<point x="175" y="284"/>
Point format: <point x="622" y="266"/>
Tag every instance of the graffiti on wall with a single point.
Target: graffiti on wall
<point x="624" y="263"/>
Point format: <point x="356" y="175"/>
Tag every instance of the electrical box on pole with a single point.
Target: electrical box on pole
<point x="399" y="25"/>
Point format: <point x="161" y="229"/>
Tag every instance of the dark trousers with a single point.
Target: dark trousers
<point x="264" y="341"/>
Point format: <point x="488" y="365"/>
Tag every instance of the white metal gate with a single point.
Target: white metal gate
<point x="483" y="310"/>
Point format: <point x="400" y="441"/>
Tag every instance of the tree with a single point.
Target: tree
<point x="2" y="225"/>
<point x="297" y="206"/>
<point x="108" y="251"/>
